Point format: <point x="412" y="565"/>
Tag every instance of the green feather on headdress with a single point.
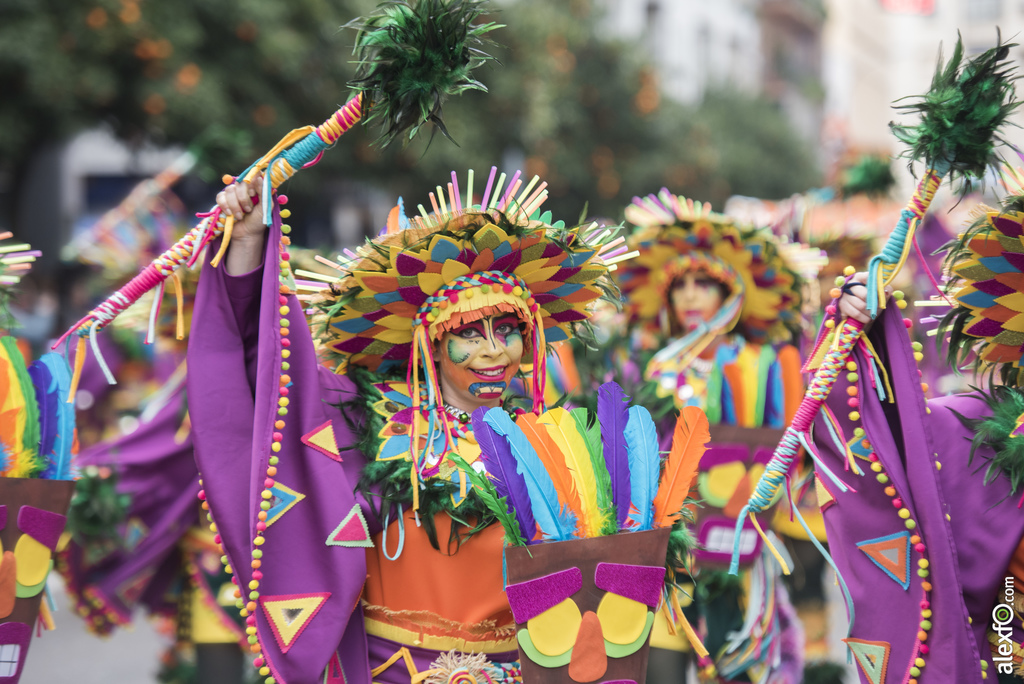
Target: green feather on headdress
<point x="1006" y="405"/>
<point x="412" y="55"/>
<point x="966" y="104"/>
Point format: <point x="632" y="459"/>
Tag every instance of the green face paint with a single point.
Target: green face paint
<point x="458" y="350"/>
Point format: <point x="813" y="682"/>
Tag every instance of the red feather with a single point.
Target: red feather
<point x="688" y="446"/>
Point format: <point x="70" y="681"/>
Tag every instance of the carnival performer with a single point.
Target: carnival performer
<point x="331" y="488"/>
<point x="932" y="549"/>
<point x="706" y="300"/>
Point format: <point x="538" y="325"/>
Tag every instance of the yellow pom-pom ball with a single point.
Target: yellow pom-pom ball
<point x="830" y="324"/>
<point x="901" y="304"/>
<point x="285" y="213"/>
<point x="849" y="271"/>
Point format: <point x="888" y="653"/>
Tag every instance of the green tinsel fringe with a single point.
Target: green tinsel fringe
<point x="412" y="55"/>
<point x="824" y="673"/>
<point x="961" y="113"/>
<point x="97" y="508"/>
<point x="1005" y="405"/>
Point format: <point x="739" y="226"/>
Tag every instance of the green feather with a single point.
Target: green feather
<point x="497" y="505"/>
<point x="824" y="673"/>
<point x="1005" y="405"/>
<point x="961" y="113"/>
<point x="412" y="56"/>
<point x="591" y="433"/>
<point x="870" y="176"/>
<point x="98" y="509"/>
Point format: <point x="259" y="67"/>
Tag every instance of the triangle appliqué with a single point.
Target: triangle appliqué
<point x="322" y="439"/>
<point x="825" y="498"/>
<point x="281" y="501"/>
<point x="352" y="531"/>
<point x="289" y="614"/>
<point x="892" y="554"/>
<point x="335" y="673"/>
<point x="872" y="656"/>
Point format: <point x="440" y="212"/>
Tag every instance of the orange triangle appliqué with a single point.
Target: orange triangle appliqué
<point x="872" y="656"/>
<point x="892" y="554"/>
<point x="288" y="615"/>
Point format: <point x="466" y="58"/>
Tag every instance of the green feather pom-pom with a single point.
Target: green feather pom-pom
<point x="412" y="55"/>
<point x="961" y="113"/>
<point x="870" y="176"/>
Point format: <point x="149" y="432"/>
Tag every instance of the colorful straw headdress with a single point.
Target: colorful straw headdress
<point x="675" y="235"/>
<point x="401" y="291"/>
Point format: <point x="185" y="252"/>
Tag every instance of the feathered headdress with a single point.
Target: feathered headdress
<point x="473" y="255"/>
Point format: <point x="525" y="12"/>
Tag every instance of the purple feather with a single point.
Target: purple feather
<point x="612" y="416"/>
<point x="496" y="455"/>
<point x="49" y="412"/>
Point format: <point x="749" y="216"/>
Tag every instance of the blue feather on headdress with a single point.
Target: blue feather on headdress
<point x="64" y="444"/>
<point x="644" y="465"/>
<point x="556" y="524"/>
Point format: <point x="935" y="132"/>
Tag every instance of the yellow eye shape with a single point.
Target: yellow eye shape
<point x="717" y="485"/>
<point x="554" y="631"/>
<point x="33" y="561"/>
<point x="622" y="619"/>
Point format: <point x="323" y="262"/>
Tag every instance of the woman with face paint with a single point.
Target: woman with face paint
<point x="361" y="550"/>
<point x="712" y="308"/>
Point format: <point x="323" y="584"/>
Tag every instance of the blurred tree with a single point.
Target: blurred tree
<point x="583" y="112"/>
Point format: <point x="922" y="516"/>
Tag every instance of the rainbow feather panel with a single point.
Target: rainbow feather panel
<point x="566" y="435"/>
<point x="556" y="523"/>
<point x="591" y="432"/>
<point x="612" y="416"/>
<point x="552" y="459"/>
<point x="644" y="465"/>
<point x="496" y="455"/>
<point x="23" y="429"/>
<point x="689" y="442"/>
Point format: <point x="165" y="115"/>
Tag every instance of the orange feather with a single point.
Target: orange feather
<point x="554" y="462"/>
<point x="688" y="446"/>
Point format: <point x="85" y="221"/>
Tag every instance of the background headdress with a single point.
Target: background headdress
<point x="674" y="234"/>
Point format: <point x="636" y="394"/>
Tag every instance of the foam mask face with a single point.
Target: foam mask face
<point x="728" y="473"/>
<point x="479" y="359"/>
<point x="588" y="620"/>
<point x="31" y="522"/>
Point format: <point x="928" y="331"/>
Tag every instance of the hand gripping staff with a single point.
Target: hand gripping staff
<point x="411" y="55"/>
<point x="956" y="137"/>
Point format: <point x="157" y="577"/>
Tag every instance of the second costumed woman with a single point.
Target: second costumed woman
<point x="706" y="300"/>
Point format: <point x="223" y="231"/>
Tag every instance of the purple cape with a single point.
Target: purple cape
<point x="969" y="530"/>
<point x="235" y="366"/>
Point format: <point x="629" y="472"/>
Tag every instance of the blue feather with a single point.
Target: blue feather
<point x="613" y="415"/>
<point x="644" y="465"/>
<point x="65" y="440"/>
<point x="496" y="455"/>
<point x="555" y="524"/>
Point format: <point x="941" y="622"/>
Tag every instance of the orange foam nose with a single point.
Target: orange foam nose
<point x="589" y="660"/>
<point x="739" y="498"/>
<point x="8" y="586"/>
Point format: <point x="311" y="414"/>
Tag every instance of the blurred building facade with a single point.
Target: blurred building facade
<point x="771" y="48"/>
<point x="876" y="51"/>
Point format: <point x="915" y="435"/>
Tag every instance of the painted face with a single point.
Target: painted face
<point x="478" y="360"/>
<point x="729" y="471"/>
<point x="694" y="299"/>
<point x="29" y="531"/>
<point x="584" y="608"/>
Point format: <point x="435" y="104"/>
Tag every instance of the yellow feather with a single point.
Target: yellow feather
<point x="562" y="428"/>
<point x="689" y="442"/>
